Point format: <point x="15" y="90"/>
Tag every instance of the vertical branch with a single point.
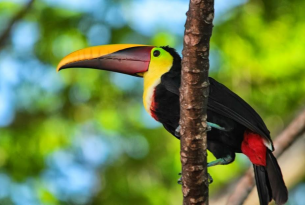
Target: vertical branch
<point x="193" y="101"/>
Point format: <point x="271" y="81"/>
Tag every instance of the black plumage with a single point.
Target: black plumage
<point x="228" y="110"/>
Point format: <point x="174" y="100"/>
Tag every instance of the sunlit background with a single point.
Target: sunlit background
<point x="83" y="137"/>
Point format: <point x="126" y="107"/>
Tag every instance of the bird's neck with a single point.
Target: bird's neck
<point x="152" y="78"/>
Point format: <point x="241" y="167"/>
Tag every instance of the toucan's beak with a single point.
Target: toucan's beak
<point x="131" y="59"/>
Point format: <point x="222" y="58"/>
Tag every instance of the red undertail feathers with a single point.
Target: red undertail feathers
<point x="254" y="148"/>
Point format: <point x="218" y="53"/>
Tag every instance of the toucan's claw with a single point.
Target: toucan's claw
<point x="177" y="132"/>
<point x="210" y="179"/>
<point x="209" y="128"/>
<point x="180" y="179"/>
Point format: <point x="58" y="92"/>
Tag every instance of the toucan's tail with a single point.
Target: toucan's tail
<point x="262" y="184"/>
<point x="269" y="182"/>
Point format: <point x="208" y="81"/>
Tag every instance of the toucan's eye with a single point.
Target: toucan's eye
<point x="156" y="53"/>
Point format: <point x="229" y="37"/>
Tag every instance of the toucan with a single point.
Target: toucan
<point x="235" y="127"/>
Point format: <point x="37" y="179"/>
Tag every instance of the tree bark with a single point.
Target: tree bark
<point x="193" y="100"/>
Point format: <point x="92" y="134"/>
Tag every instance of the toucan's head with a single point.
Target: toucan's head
<point x="131" y="59"/>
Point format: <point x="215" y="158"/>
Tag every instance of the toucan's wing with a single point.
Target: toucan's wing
<point x="223" y="101"/>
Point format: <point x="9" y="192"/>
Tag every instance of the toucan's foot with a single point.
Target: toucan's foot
<point x="221" y="161"/>
<point x="209" y="128"/>
<point x="210" y="179"/>
<point x="211" y="125"/>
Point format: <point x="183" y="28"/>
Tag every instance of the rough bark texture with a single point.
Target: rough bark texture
<point x="193" y="99"/>
<point x="16" y="18"/>
<point x="281" y="143"/>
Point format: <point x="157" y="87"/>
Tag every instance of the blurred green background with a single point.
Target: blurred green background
<point x="83" y="137"/>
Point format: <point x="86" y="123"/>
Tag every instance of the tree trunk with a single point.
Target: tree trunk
<point x="193" y="100"/>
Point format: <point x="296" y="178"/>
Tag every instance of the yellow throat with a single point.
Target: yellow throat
<point x="157" y="67"/>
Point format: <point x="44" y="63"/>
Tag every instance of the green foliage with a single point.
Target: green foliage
<point x="263" y="51"/>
